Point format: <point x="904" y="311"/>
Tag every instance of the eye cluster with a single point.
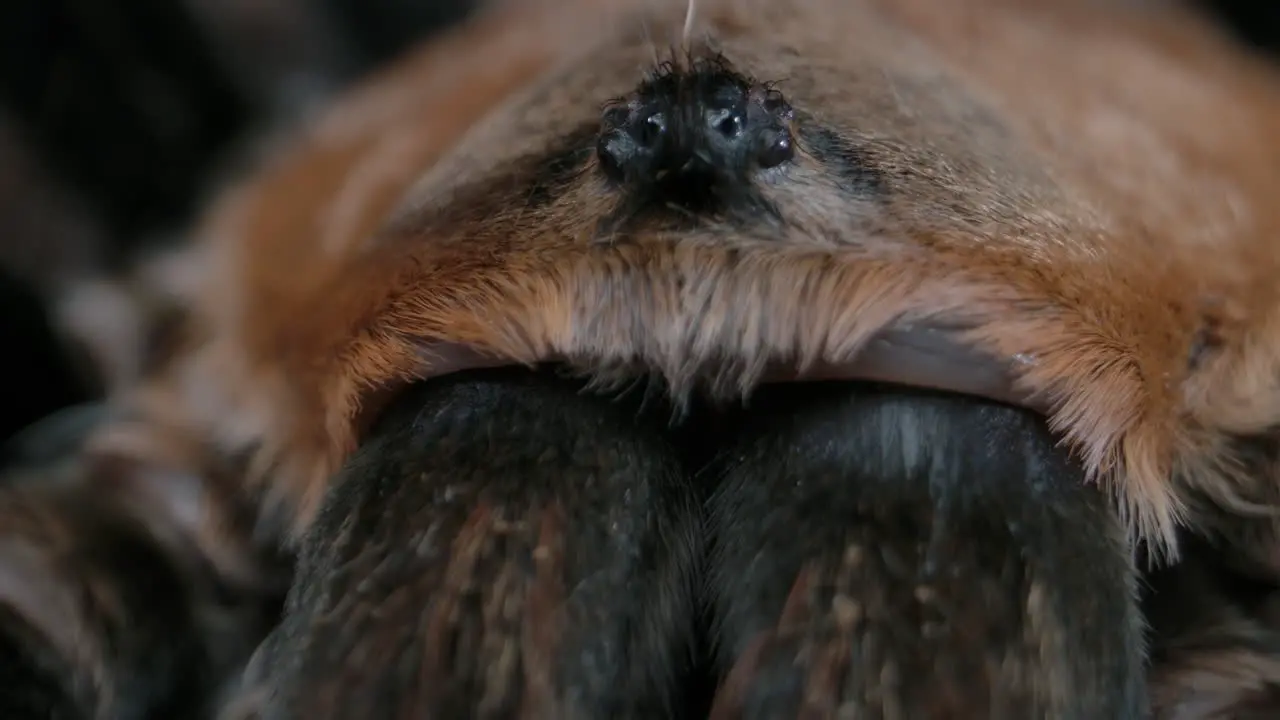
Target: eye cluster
<point x="706" y="121"/>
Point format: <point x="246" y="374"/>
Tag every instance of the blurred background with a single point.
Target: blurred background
<point x="118" y="117"/>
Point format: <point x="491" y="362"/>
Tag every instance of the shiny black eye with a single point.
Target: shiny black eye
<point x="653" y="128"/>
<point x="727" y="122"/>
<point x="776" y="149"/>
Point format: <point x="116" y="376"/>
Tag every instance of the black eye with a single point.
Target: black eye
<point x="653" y="128"/>
<point x="777" y="149"/>
<point x="727" y="122"/>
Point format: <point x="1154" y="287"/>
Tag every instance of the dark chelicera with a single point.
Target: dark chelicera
<point x="694" y="130"/>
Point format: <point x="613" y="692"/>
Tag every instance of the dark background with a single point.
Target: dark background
<point x="115" y="116"/>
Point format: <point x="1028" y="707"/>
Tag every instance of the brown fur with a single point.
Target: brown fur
<point x="121" y="589"/>
<point x="1082" y="193"/>
<point x="1054" y="212"/>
